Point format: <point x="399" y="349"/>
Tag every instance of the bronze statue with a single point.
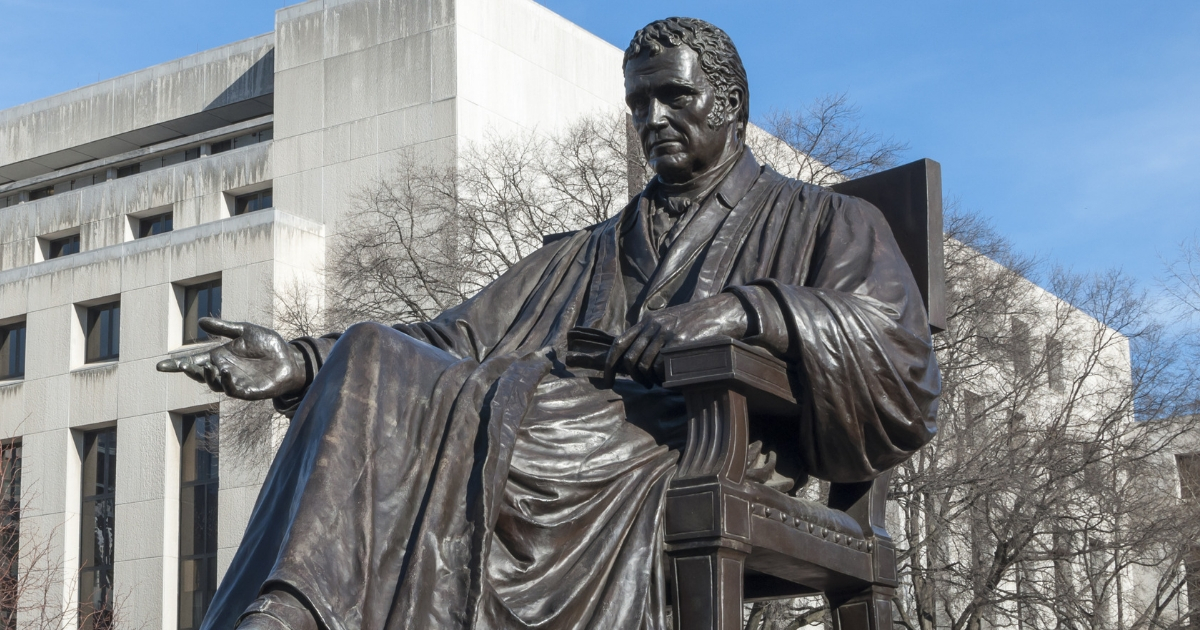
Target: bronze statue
<point x="474" y="472"/>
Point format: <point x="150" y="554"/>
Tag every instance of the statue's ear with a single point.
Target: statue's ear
<point x="735" y="100"/>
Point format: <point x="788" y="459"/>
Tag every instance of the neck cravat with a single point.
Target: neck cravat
<point x="667" y="213"/>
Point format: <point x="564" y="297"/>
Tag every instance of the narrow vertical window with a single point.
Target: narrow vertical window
<point x="1019" y="348"/>
<point x="103" y="332"/>
<point x="200" y="300"/>
<point x="198" y="518"/>
<point x="10" y="532"/>
<point x="96" y="530"/>
<point x="12" y="351"/>
<point x="974" y="414"/>
<point x="1054" y="364"/>
<point x="1189" y="476"/>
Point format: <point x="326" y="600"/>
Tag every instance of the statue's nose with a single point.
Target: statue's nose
<point x="657" y="118"/>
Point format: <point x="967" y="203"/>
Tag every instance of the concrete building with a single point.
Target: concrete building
<point x="132" y="206"/>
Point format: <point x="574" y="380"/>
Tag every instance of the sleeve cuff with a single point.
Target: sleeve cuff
<point x="309" y="349"/>
<point x="765" y="324"/>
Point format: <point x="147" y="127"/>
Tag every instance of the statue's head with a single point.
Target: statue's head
<point x="687" y="91"/>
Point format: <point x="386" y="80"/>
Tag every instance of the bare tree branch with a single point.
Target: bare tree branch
<point x="823" y="144"/>
<point x="1044" y="490"/>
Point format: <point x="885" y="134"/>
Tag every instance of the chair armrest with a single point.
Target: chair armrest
<point x="723" y="380"/>
<point x="725" y="362"/>
<point x="714" y="375"/>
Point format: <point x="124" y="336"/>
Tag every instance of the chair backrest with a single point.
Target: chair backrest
<point x="910" y="198"/>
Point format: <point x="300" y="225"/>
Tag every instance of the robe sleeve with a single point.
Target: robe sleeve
<point x="856" y="331"/>
<point x="476" y="327"/>
<point x="468" y="330"/>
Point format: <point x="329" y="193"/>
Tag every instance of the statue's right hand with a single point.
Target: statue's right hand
<point x="256" y="363"/>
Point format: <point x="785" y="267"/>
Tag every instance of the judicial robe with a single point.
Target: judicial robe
<point x="456" y="474"/>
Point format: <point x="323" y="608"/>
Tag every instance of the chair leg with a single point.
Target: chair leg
<point x="708" y="589"/>
<point x="870" y="609"/>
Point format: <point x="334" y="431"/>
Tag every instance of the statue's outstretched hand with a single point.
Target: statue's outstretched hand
<point x="636" y="351"/>
<point x="255" y="364"/>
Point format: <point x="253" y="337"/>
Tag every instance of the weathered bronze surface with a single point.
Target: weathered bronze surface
<point x="910" y="198"/>
<point x="515" y="463"/>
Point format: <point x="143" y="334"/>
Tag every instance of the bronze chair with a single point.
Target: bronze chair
<point x="731" y="538"/>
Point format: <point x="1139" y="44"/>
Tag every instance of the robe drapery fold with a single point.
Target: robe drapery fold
<point x="454" y="474"/>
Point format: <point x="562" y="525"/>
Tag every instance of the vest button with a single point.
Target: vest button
<point x="656" y="302"/>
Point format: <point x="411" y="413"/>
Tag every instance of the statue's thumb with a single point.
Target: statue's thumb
<point x="215" y="326"/>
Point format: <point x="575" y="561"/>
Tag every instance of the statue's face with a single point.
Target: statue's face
<point x="670" y="100"/>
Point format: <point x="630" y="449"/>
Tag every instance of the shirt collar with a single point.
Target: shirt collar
<point x="732" y="187"/>
<point x="739" y="180"/>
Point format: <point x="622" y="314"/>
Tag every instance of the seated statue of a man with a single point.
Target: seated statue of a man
<point x="462" y="473"/>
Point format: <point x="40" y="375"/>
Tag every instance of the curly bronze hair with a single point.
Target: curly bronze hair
<point x="719" y="58"/>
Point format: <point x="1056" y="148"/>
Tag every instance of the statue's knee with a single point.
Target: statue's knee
<point x="367" y="334"/>
<point x="386" y="343"/>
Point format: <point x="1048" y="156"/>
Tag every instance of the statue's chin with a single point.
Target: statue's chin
<point x="673" y="168"/>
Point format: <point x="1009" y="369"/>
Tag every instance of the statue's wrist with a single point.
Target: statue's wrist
<point x="738" y="316"/>
<point x="299" y="370"/>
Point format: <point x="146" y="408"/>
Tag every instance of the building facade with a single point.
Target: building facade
<point x="132" y="207"/>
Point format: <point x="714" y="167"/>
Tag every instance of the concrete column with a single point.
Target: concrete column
<point x="50" y="527"/>
<point x="146" y="567"/>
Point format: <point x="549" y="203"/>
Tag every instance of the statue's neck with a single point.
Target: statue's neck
<point x="705" y="181"/>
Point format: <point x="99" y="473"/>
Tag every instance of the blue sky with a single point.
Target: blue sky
<point x="1073" y="125"/>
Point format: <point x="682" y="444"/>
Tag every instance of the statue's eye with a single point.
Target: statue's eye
<point x="675" y="97"/>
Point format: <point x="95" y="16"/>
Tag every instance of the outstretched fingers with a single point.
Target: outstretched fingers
<point x="195" y="366"/>
<point x="169" y="365"/>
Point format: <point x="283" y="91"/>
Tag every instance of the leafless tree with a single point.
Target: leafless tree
<point x="251" y="430"/>
<point x="429" y="236"/>
<point x="1047" y="498"/>
<point x="823" y="143"/>
<point x="1181" y="285"/>
<point x="787" y="614"/>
